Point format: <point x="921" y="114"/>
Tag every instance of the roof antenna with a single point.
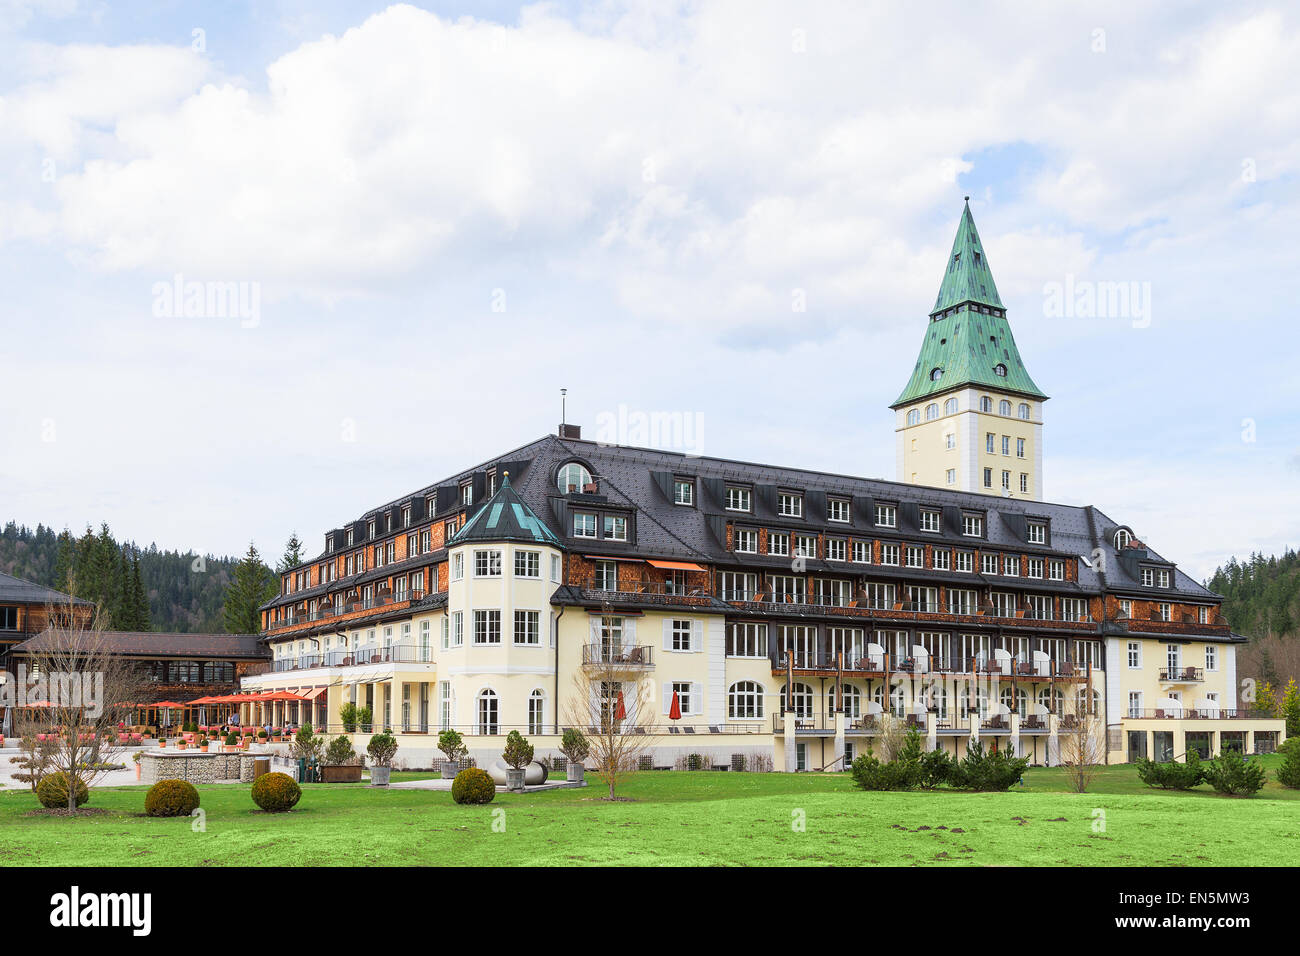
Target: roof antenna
<point x="563" y="420"/>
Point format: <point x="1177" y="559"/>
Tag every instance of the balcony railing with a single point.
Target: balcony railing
<point x="653" y="592"/>
<point x="609" y="655"/>
<point x="1182" y="675"/>
<point x="760" y="600"/>
<point x="397" y="653"/>
<point x="329" y="613"/>
<point x="823" y="660"/>
<point x="1195" y="713"/>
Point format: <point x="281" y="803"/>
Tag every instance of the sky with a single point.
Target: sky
<point x="268" y="265"/>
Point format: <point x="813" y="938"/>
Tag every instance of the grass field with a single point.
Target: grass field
<point x="676" y="818"/>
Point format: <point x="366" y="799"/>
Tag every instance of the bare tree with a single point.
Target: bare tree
<point x="616" y="742"/>
<point x="84" y="688"/>
<point x="1081" y="745"/>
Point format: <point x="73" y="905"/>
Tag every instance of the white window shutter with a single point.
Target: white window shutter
<point x="668" y="697"/>
<point x="697" y="635"/>
<point x="697" y="699"/>
<point x="629" y="632"/>
<point x="595" y="630"/>
<point x="668" y="633"/>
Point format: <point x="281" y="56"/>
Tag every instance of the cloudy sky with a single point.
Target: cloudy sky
<point x="433" y="218"/>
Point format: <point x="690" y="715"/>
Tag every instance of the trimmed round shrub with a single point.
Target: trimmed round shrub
<point x="171" y="798"/>
<point x="276" y="792"/>
<point x="52" y="791"/>
<point x="473" y="785"/>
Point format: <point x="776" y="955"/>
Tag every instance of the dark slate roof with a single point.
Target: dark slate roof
<point x="158" y="644"/>
<point x="16" y="590"/>
<point x="505" y="517"/>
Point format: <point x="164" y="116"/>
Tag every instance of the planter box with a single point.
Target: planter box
<point x="449" y="770"/>
<point x="515" y="780"/>
<point x="379" y="776"/>
<point x="575" y="772"/>
<point x="342" y="774"/>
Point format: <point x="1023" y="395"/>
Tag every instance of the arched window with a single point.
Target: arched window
<point x="914" y="416"/>
<point x="950" y="407"/>
<point x="1051" y="699"/>
<point x="1000" y="370"/>
<point x="1122" y="539"/>
<point x="572" y="477"/>
<point x="1014" y="700"/>
<point x="986" y="404"/>
<point x="936" y="698"/>
<point x="898" y="701"/>
<point x="982" y="701"/>
<point x="489" y="712"/>
<point x="936" y="374"/>
<point x="744" y="700"/>
<point x="852" y="701"/>
<point x="800" y="702"/>
<point x="1004" y="408"/>
<point x="1024" y="411"/>
<point x="931" y="411"/>
<point x="537" y="712"/>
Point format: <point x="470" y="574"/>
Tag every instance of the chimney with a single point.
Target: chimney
<point x="571" y="431"/>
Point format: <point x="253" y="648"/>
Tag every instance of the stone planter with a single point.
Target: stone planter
<point x="449" y="770"/>
<point x="379" y="776"/>
<point x="342" y="774"/>
<point x="575" y="771"/>
<point x="515" y="779"/>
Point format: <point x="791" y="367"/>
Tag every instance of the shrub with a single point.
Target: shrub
<point x="1288" y="775"/>
<point x="1232" y="773"/>
<point x="870" y="773"/>
<point x="348" y="714"/>
<point x="276" y="792"/>
<point x="574" y="745"/>
<point x="936" y="768"/>
<point x="171" y="798"/>
<point x="452" y="745"/>
<point x="1172" y="775"/>
<point x="52" y="791"/>
<point x="473" y="785"/>
<point x="306" y="744"/>
<point x="986" y="772"/>
<point x="231" y="739"/>
<point x="382" y="749"/>
<point x="364" y="717"/>
<point x="340" y="752"/>
<point x="519" y="752"/>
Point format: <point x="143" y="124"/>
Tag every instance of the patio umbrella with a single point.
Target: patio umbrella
<point x="675" y="711"/>
<point x="620" y="712"/>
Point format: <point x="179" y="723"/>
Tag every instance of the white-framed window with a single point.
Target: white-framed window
<point x="837" y="509"/>
<point x="1011" y="565"/>
<point x="941" y="558"/>
<point x="739" y="499"/>
<point x="915" y="556"/>
<point x="458" y="566"/>
<point x="1148" y="577"/>
<point x="1033" y="567"/>
<point x="836" y="549"/>
<point x="1024" y="411"/>
<point x="1165" y="611"/>
<point x="1135" y="703"/>
<point x="951" y="476"/>
<point x="1006" y="480"/>
<point x="1173" y="657"/>
<point x="487" y="564"/>
<point x="489" y="712"/>
<point x="881" y="596"/>
<point x="931" y="520"/>
<point x="965" y="561"/>
<point x="615" y="528"/>
<point x="1006" y="444"/>
<point x="528" y="564"/>
<point x="789" y="504"/>
<point x="972" y="526"/>
<point x="1122" y="539"/>
<point x="805" y="545"/>
<point x="606" y="577"/>
<point x="1037" y="532"/>
<point x="537" y="712"/>
<point x="986" y="404"/>
<point x="990" y="443"/>
<point x="1162" y="578"/>
<point x="778" y="543"/>
<point x="950" y="407"/>
<point x="989" y="563"/>
<point x="1203" y="615"/>
<point x="746" y="540"/>
<point x="1211" y="657"/>
<point x="963" y="601"/>
<point x="1056" y="569"/>
<point x="679" y="635"/>
<point x="889" y="554"/>
<point x="683" y="491"/>
<point x="886" y="516"/>
<point x="685" y="699"/>
<point x="745" y="701"/>
<point x="747" y="640"/>
<point x="1074" y="609"/>
<point x="800" y="701"/>
<point x="1135" y="655"/>
<point x="862" y="551"/>
<point x="572" y="477"/>
<point x="1024" y="483"/>
<point x="913" y="416"/>
<point x="528" y="628"/>
<point x="988" y="477"/>
<point x="584" y="524"/>
<point x="457" y="628"/>
<point x="932" y="410"/>
<point x="487" y="627"/>
<point x="738" y="585"/>
<point x="556" y="568"/>
<point x="1020" y="448"/>
<point x="467" y="493"/>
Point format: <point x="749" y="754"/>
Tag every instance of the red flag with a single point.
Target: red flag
<point x="675" y="711"/>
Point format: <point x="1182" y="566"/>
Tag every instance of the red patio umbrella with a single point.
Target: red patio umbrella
<point x="620" y="712"/>
<point x="675" y="711"/>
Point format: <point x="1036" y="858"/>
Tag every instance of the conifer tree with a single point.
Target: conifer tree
<point x="139" y="597"/>
<point x="252" y="585"/>
<point x="292" y="554"/>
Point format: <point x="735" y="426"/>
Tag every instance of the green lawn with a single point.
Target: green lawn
<point x="701" y="818"/>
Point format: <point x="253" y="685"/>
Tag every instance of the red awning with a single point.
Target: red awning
<point x="675" y="565"/>
<point x="314" y="692"/>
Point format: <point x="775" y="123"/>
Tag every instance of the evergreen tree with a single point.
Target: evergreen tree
<point x="63" y="564"/>
<point x="1290" y="709"/>
<point x="292" y="554"/>
<point x="139" y="596"/>
<point x="253" y="584"/>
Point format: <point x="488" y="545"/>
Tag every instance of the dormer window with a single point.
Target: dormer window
<point x="406" y="515"/>
<point x="1000" y="370"/>
<point x="467" y="493"/>
<point x="1036" y="532"/>
<point x="572" y="477"/>
<point x="936" y="374"/>
<point x="1123" y="538"/>
<point x="790" y="504"/>
<point x="329" y="542"/>
<point x="886" y="516"/>
<point x="972" y="525"/>
<point x="739" y="499"/>
<point x="930" y="520"/>
<point x="837" y="509"/>
<point x="683" y="491"/>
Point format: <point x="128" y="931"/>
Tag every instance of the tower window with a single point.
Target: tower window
<point x="931" y="411"/>
<point x="1024" y="411"/>
<point x="914" y="416"/>
<point x="1000" y="370"/>
<point x="936" y="374"/>
<point x="986" y="404"/>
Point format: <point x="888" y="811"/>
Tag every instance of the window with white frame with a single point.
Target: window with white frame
<point x="1135" y="703"/>
<point x="886" y="516"/>
<point x="528" y="629"/>
<point x="457" y="628"/>
<point x="536" y="712"/>
<point x="881" y="596"/>
<point x="556" y="568"/>
<point x="1011" y="565"/>
<point x="584" y="524"/>
<point x="685" y="700"/>
<point x="962" y="601"/>
<point x="747" y="640"/>
<point x="990" y="443"/>
<point x="778" y="543"/>
<point x="737" y="585"/>
<point x="745" y="701"/>
<point x="950" y="407"/>
<point x="789" y="504"/>
<point x="1165" y="611"/>
<point x="683" y="492"/>
<point x="989" y="563"/>
<point x="489" y="713"/>
<point x="1033" y="567"/>
<point x="1148" y="577"/>
<point x="1037" y="532"/>
<point x="965" y="561"/>
<point x="739" y="499"/>
<point x="746" y="540"/>
<point x="1202" y="615"/>
<point x="680" y="635"/>
<point x="862" y="552"/>
<point x="1135" y="655"/>
<point x="606" y="578"/>
<point x="1074" y="609"/>
<point x="487" y="627"/>
<point x="487" y="564"/>
<point x="615" y="528"/>
<point x="972" y="525"/>
<point x="837" y="509"/>
<point x="805" y="545"/>
<point x="942" y="559"/>
<point x="528" y="564"/>
<point x="467" y="493"/>
<point x="1024" y="483"/>
<point x="915" y="556"/>
<point x="889" y="554"/>
<point x="1211" y="657"/>
<point x="1020" y="448"/>
<point x="930" y="520"/>
<point x="1162" y="578"/>
<point x="1126" y="607"/>
<point x="457" y="566"/>
<point x="951" y="476"/>
<point x="800" y="701"/>
<point x="836" y="549"/>
<point x="1055" y="569"/>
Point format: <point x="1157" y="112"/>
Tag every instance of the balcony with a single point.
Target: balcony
<point x="1182" y="675"/>
<point x="618" y="657"/>
<point x="1024" y="616"/>
<point x="1196" y="713"/>
<point x="652" y="593"/>
<point x="822" y="663"/>
<point x="398" y="653"/>
<point x="348" y="608"/>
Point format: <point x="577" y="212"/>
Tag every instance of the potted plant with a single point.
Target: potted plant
<point x="382" y="748"/>
<point x="364" y="718"/>
<point x="232" y="742"/>
<point x="518" y="754"/>
<point x="136" y="757"/>
<point x="348" y="716"/>
<point x="180" y="743"/>
<point x="452" y="744"/>
<point x="162" y="741"/>
<point x="341" y="763"/>
<point x="261" y="736"/>
<point x="203" y="743"/>
<point x="574" y="746"/>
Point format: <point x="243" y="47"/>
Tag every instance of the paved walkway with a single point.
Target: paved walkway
<point x="437" y="783"/>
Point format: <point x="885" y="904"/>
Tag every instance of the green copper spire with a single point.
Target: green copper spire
<point x="968" y="341"/>
<point x="967" y="277"/>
